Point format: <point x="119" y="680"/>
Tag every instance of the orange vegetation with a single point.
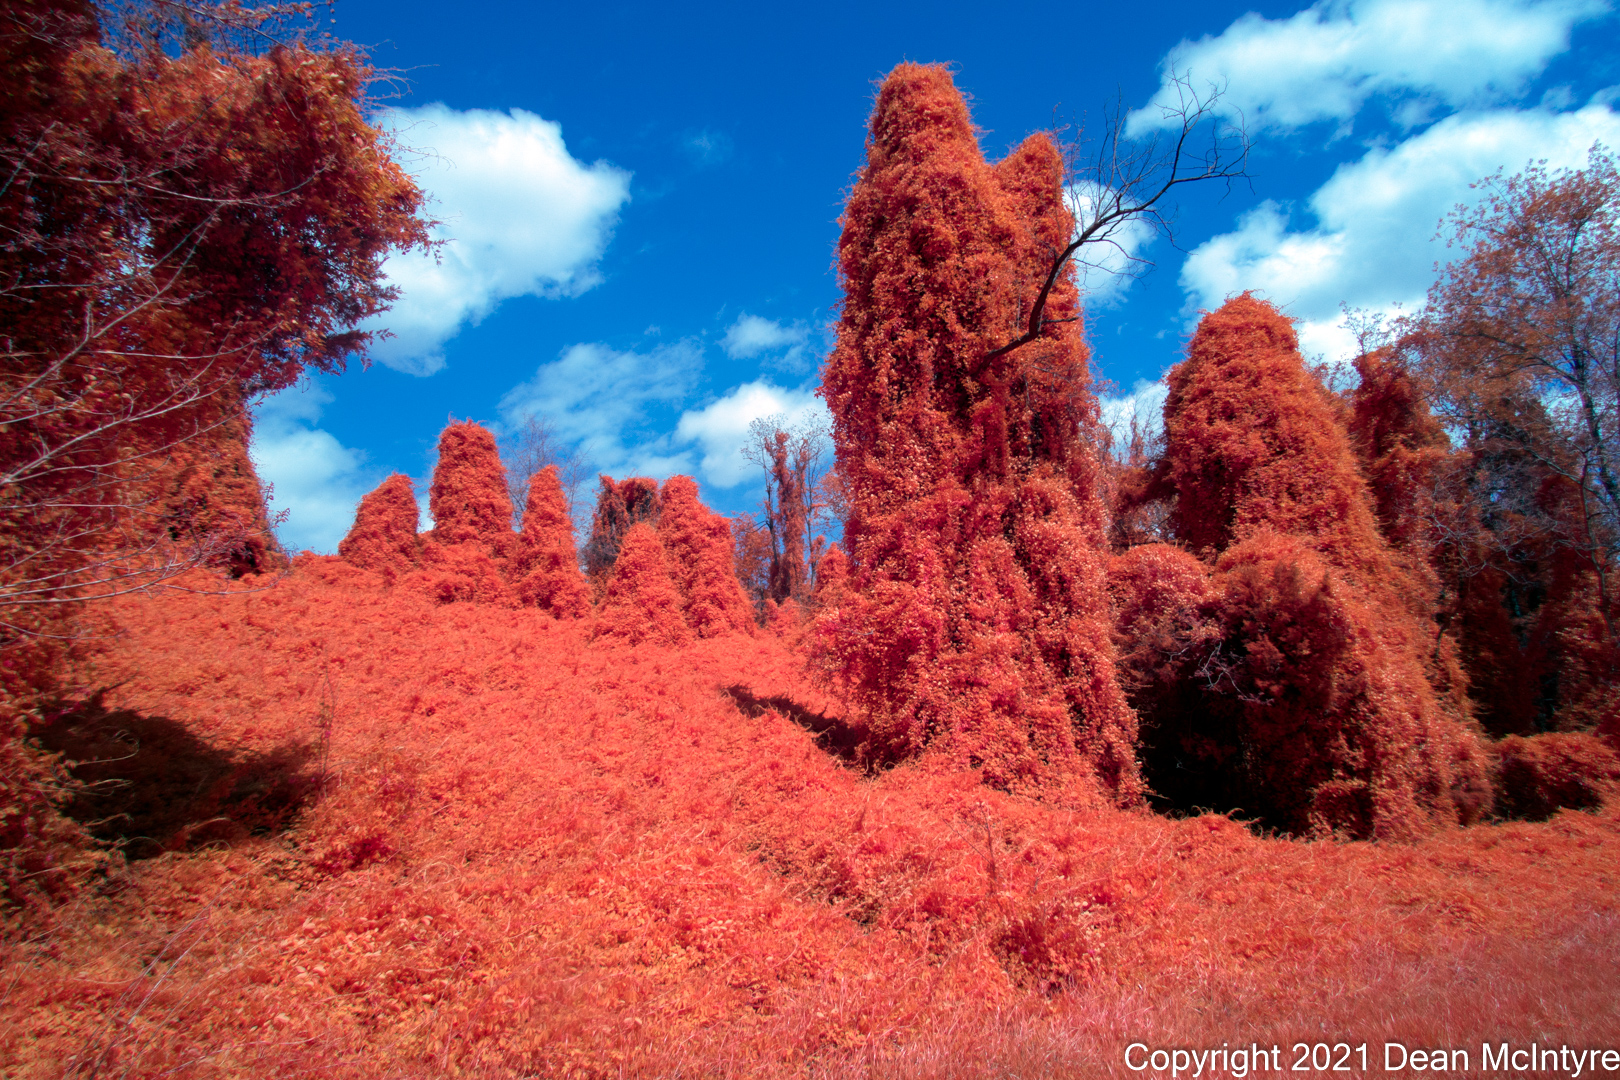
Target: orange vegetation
<point x="445" y="805"/>
<point x="1310" y="694"/>
<point x="541" y="856"/>
<point x="975" y="626"/>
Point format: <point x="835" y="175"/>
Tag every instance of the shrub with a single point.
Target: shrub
<point x="545" y="561"/>
<point x="1540" y="774"/>
<point x="698" y="545"/>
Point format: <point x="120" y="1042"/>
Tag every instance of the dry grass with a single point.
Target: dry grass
<point x="522" y="854"/>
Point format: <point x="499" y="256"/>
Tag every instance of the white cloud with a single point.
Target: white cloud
<point x="597" y="400"/>
<point x="520" y="217"/>
<point x="1325" y="62"/>
<point x="752" y="336"/>
<point x="721" y="428"/>
<point x="1373" y="245"/>
<point x="1144" y="404"/>
<point x="315" y="478"/>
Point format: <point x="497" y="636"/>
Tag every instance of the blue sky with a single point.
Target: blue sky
<point x="641" y="202"/>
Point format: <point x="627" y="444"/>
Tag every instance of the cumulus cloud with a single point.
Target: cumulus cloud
<point x="313" y="477"/>
<point x="752" y="336"/>
<point x="520" y="217"/>
<point x="720" y="429"/>
<point x="599" y="400"/>
<point x="1326" y="62"/>
<point x="1372" y="244"/>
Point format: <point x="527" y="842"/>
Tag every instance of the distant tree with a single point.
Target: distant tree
<point x="619" y="507"/>
<point x="1519" y="351"/>
<point x="751" y="557"/>
<point x="794" y="504"/>
<point x="535" y="445"/>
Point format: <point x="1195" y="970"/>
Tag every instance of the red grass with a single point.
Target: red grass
<point x="539" y="856"/>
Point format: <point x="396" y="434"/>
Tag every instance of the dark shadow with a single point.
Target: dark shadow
<point x="149" y="785"/>
<point x="1192" y="756"/>
<point x="843" y="740"/>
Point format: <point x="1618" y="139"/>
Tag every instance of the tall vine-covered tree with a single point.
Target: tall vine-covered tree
<point x="466" y="555"/>
<point x="384" y="537"/>
<point x="699" y="547"/>
<point x="1317" y="706"/>
<point x="974" y="623"/>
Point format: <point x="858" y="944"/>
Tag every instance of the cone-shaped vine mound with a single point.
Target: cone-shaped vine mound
<point x="464" y="557"/>
<point x="698" y="545"/>
<point x="545" y="556"/>
<point x="1316" y="708"/>
<point x="383" y="537"/>
<point x="641" y="603"/>
<point x="975" y="621"/>
<point x="468" y="499"/>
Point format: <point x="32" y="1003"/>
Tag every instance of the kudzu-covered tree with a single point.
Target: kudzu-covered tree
<point x="383" y="537"/>
<point x="1316" y="707"/>
<point x="619" y="506"/>
<point x="641" y="603"/>
<point x="698" y="545"/>
<point x="974" y="625"/>
<point x="545" y="564"/>
<point x="465" y="555"/>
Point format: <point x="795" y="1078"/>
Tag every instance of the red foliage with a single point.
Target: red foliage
<point x="641" y="603"/>
<point x="832" y="576"/>
<point x="207" y="494"/>
<point x="791" y="515"/>
<point x="752" y="557"/>
<point x="1543" y="773"/>
<point x="1324" y="715"/>
<point x="464" y="556"/>
<point x="1165" y="624"/>
<point x="1402" y="447"/>
<point x="974" y="624"/>
<point x="698" y="544"/>
<point x="545" y="556"/>
<point x="383" y="537"/>
<point x="468" y="500"/>
<point x="533" y="856"/>
<point x="619" y="506"/>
